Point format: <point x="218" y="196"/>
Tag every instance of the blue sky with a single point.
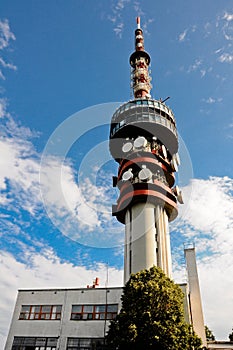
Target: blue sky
<point x="64" y="68"/>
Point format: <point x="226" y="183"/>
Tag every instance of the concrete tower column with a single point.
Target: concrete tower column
<point x="147" y="240"/>
<point x="197" y="318"/>
<point x="140" y="239"/>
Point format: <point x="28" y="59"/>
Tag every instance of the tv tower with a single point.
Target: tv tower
<point x="144" y="141"/>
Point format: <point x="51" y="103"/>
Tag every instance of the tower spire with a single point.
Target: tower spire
<point x="139" y="61"/>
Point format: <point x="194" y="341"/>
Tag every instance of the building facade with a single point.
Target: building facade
<point x="64" y="319"/>
<point x="74" y="319"/>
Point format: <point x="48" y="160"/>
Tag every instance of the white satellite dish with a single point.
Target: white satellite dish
<point x="164" y="151"/>
<point x="145" y="174"/>
<point x="176" y="157"/>
<point x="127" y="147"/>
<point x="127" y="175"/>
<point x="177" y="192"/>
<point x="180" y="198"/>
<point x="174" y="165"/>
<point x="140" y="142"/>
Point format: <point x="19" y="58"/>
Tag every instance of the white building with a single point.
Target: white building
<point x="73" y="319"/>
<point x="64" y="319"/>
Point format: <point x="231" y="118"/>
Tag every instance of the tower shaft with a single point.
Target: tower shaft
<point x="147" y="240"/>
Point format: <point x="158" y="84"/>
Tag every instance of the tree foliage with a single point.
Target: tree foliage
<point x="152" y="316"/>
<point x="231" y="336"/>
<point x="209" y="334"/>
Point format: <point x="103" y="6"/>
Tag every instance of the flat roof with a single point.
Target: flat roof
<point x="65" y="289"/>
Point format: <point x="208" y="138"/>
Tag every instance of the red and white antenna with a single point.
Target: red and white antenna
<point x="139" y="61"/>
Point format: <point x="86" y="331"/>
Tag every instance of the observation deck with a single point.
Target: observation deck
<point x="146" y="117"/>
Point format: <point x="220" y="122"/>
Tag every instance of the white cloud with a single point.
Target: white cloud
<point x="3" y="105"/>
<point x="218" y="50"/>
<point x="19" y="169"/>
<point x="116" y="17"/>
<point x="80" y="207"/>
<point x="2" y="76"/>
<point x="207" y="29"/>
<point x="226" y="58"/>
<point x="7" y="65"/>
<point x="78" y="211"/>
<point x="64" y="200"/>
<point x="227" y="27"/>
<point x="228" y="16"/>
<point x="119" y="29"/>
<point x="182" y="35"/>
<point x="44" y="271"/>
<point x="196" y="65"/>
<point x="207" y="220"/>
<point x="138" y="8"/>
<point x="216" y="290"/>
<point x="211" y="100"/>
<point x="203" y="72"/>
<point x="5" y="34"/>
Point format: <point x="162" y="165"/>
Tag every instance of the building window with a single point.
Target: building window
<point x="40" y="312"/>
<point x="33" y="343"/>
<point x="94" y="312"/>
<point x="85" y="344"/>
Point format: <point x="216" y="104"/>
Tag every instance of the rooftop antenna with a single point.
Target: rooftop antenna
<point x="167" y="98"/>
<point x="106" y="283"/>
<point x="139" y="61"/>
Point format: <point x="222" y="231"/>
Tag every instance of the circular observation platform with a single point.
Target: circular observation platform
<point x="143" y="117"/>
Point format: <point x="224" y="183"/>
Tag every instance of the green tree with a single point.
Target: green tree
<point x="231" y="336"/>
<point x="209" y="334"/>
<point x="152" y="316"/>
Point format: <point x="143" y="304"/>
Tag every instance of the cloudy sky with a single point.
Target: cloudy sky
<point x="63" y="71"/>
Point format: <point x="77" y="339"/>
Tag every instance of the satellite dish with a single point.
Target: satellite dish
<point x="174" y="165"/>
<point x="127" y="147"/>
<point x="176" y="157"/>
<point x="164" y="151"/>
<point x="140" y="142"/>
<point x="180" y="198"/>
<point x="127" y="175"/>
<point x="177" y="192"/>
<point x="145" y="174"/>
